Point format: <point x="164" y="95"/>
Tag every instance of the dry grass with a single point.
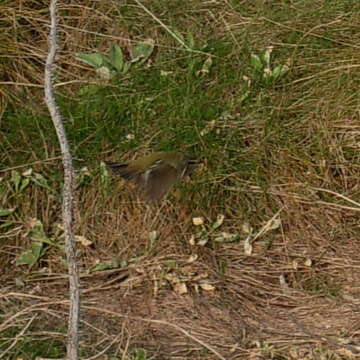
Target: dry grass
<point x="292" y="149"/>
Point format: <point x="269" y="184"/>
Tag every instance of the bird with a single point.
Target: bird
<point x="155" y="173"/>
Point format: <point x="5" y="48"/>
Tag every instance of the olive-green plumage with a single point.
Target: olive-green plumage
<point x="155" y="173"/>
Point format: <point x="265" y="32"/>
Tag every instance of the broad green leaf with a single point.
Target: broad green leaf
<point x="142" y="51"/>
<point x="117" y="58"/>
<point x="225" y="237"/>
<point x="37" y="234"/>
<point x="107" y="62"/>
<point x="41" y="181"/>
<point x="219" y="220"/>
<point x="280" y="71"/>
<point x="139" y="354"/>
<point x="24" y="183"/>
<point x="95" y="60"/>
<point x="6" y="212"/>
<point x="36" y="248"/>
<point x="31" y="256"/>
<point x="105" y="265"/>
<point x="256" y="62"/>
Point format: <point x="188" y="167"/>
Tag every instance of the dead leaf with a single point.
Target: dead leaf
<point x="197" y="221"/>
<point x="83" y="240"/>
<point x="192" y="240"/>
<point x="246" y="228"/>
<point x="202" y="242"/>
<point x="247" y="246"/>
<point x="308" y="262"/>
<point x="192" y="258"/>
<point x="206" y="286"/>
<point x="180" y="288"/>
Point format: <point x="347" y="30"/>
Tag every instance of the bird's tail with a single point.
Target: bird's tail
<point x="120" y="169"/>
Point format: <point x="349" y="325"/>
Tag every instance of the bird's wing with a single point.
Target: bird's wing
<point x="158" y="181"/>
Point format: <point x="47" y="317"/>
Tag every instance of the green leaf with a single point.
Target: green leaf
<point x="41" y="181"/>
<point x="31" y="256"/>
<point x="256" y="62"/>
<point x="219" y="220"/>
<point x="139" y="354"/>
<point x="16" y="179"/>
<point x="36" y="249"/>
<point x="117" y="58"/>
<point x="38" y="237"/>
<point x="142" y="51"/>
<point x="6" y="212"/>
<point x="104" y="176"/>
<point x="127" y="66"/>
<point x="225" y="237"/>
<point x="37" y="234"/>
<point x="190" y="40"/>
<point x="280" y="71"/>
<point x="95" y="60"/>
<point x="24" y="183"/>
<point x="106" y="265"/>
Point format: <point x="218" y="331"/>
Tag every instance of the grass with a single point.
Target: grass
<point x="287" y="145"/>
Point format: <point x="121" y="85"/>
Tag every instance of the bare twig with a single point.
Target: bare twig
<point x="37" y="162"/>
<point x="73" y="330"/>
<point x="338" y="195"/>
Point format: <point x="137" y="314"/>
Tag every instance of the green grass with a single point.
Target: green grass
<point x="31" y="347"/>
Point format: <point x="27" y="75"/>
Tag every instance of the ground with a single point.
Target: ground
<point x="256" y="255"/>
